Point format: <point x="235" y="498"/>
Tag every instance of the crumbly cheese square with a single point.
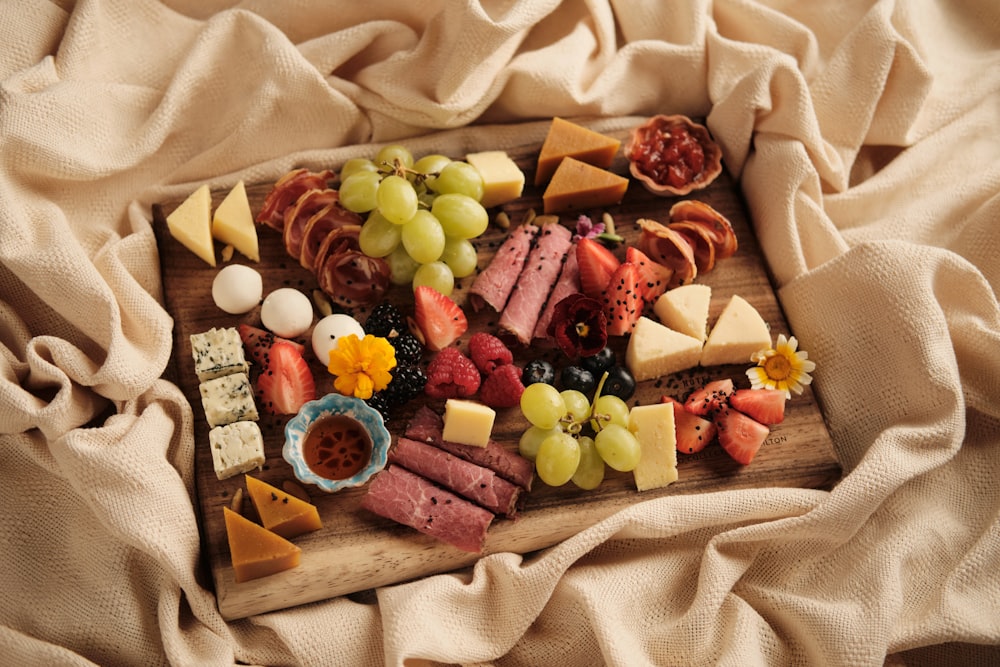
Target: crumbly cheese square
<point x="228" y="399"/>
<point x="218" y="352"/>
<point x="236" y="448"/>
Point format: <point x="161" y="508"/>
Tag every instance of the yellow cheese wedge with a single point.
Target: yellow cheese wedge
<point x="567" y="139"/>
<point x="653" y="426"/>
<point x="738" y="333"/>
<point x="280" y="512"/>
<point x="503" y="180"/>
<point x="654" y="350"/>
<point x="257" y="552"/>
<point x="685" y="309"/>
<point x="577" y="186"/>
<point x="233" y="223"/>
<point x="468" y="422"/>
<point x="191" y="224"/>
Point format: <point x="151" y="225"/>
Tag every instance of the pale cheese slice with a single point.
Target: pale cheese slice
<point x="468" y="422"/>
<point x="503" y="180"/>
<point x="233" y="223"/>
<point x="738" y="333"/>
<point x="654" y="350"/>
<point x="653" y="426"/>
<point x="685" y="309"/>
<point x="191" y="224"/>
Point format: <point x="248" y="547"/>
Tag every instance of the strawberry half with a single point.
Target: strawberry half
<point x="257" y="342"/>
<point x="653" y="276"/>
<point x="440" y="320"/>
<point x="286" y="382"/>
<point x="739" y="435"/>
<point x="622" y="301"/>
<point x="764" y="405"/>
<point x="693" y="433"/>
<point x="596" y="265"/>
<point x="710" y="398"/>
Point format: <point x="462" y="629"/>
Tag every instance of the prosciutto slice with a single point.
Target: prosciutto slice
<point x="330" y="217"/>
<point x="407" y="498"/>
<point x="540" y="272"/>
<point x="286" y="192"/>
<point x="493" y="286"/>
<point x="568" y="283"/>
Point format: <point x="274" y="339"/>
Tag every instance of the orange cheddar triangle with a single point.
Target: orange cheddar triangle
<point x="257" y="552"/>
<point x="281" y="512"/>
<point x="566" y="139"/>
<point x="578" y="186"/>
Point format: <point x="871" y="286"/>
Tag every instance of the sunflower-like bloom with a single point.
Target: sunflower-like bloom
<point x="781" y="367"/>
<point x="362" y="365"/>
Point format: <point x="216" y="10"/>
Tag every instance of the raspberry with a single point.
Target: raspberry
<point x="451" y="374"/>
<point x="502" y="388"/>
<point x="488" y="352"/>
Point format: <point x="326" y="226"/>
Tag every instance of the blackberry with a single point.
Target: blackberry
<point x="384" y="319"/>
<point x="409" y="350"/>
<point x="538" y="370"/>
<point x="380" y="402"/>
<point x="408" y="382"/>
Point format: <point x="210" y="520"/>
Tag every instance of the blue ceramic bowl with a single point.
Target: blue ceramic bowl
<point x="335" y="404"/>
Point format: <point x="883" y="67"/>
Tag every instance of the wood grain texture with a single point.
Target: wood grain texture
<point x="356" y="550"/>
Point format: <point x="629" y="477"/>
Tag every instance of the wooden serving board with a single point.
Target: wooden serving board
<point x="357" y="550"/>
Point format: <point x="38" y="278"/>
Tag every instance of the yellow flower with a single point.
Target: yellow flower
<point x="781" y="367"/>
<point x="362" y="365"/>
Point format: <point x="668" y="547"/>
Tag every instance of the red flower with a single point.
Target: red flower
<point x="579" y="326"/>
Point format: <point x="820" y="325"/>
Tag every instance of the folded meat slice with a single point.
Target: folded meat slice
<point x="493" y="286"/>
<point x="407" y="498"/>
<point x="537" y="278"/>
<point x="568" y="283"/>
<point x="286" y="192"/>
<point x="325" y="220"/>
<point x="474" y="482"/>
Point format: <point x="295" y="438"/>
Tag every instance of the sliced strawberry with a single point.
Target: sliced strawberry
<point x="596" y="264"/>
<point x="440" y="320"/>
<point x="257" y="342"/>
<point x="653" y="276"/>
<point x="764" y="405"/>
<point x="286" y="382"/>
<point x="709" y="398"/>
<point x="739" y="435"/>
<point x="622" y="301"/>
<point x="693" y="432"/>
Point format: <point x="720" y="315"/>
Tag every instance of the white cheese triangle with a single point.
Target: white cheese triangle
<point x="738" y="333"/>
<point x="191" y="224"/>
<point x="685" y="309"/>
<point x="654" y="350"/>
<point x="233" y="223"/>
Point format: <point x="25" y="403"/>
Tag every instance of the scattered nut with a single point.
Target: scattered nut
<point x="609" y="223"/>
<point x="529" y="216"/>
<point x="236" y="503"/>
<point x="293" y="489"/>
<point x="322" y="302"/>
<point x="503" y="220"/>
<point x="227" y="253"/>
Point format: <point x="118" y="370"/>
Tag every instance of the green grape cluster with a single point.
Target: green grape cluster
<point x="572" y="438"/>
<point x="421" y="215"/>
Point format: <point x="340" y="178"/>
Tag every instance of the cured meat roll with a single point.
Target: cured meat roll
<point x="568" y="283"/>
<point x="286" y="192"/>
<point x="493" y="286"/>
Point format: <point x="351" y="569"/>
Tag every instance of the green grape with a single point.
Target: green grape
<point x="358" y="191"/>
<point x="577" y="404"/>
<point x="619" y="447"/>
<point x="423" y="237"/>
<point x="431" y="164"/>
<point x="542" y="405"/>
<point x="378" y="236"/>
<point x="460" y="255"/>
<point x="436" y="275"/>
<point x="388" y="155"/>
<point x="557" y="459"/>
<point x="590" y="472"/>
<point x="397" y="200"/>
<point x="609" y="409"/>
<point x="461" y="216"/>
<point x="356" y="164"/>
<point x="460" y="178"/>
<point x="402" y="267"/>
<point x="532" y="437"/>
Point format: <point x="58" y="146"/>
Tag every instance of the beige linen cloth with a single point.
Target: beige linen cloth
<point x="865" y="136"/>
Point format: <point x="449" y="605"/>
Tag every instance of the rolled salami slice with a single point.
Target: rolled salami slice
<point x="493" y="286"/>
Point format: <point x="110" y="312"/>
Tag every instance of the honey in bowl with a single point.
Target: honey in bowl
<point x="337" y="447"/>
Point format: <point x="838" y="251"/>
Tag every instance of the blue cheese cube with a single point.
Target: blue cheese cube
<point x="218" y="352"/>
<point x="236" y="447"/>
<point x="228" y="399"/>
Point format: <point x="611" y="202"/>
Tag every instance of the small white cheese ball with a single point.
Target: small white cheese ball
<point x="286" y="312"/>
<point x="237" y="289"/>
<point x="328" y="332"/>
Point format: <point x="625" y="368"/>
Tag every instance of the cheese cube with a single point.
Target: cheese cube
<point x="228" y="399"/>
<point x="654" y="350"/>
<point x="685" y="309"/>
<point x="653" y="426"/>
<point x="236" y="447"/>
<point x="503" y="180"/>
<point x="467" y="422"/>
<point x="233" y="223"/>
<point x="191" y="224"/>
<point x="738" y="333"/>
<point x="218" y="352"/>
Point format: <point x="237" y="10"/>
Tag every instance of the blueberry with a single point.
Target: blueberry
<point x="600" y="362"/>
<point x="620" y="383"/>
<point x="579" y="378"/>
<point x="538" y="370"/>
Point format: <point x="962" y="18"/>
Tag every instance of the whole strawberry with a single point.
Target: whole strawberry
<point x="502" y="388"/>
<point x="488" y="352"/>
<point x="451" y="374"/>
